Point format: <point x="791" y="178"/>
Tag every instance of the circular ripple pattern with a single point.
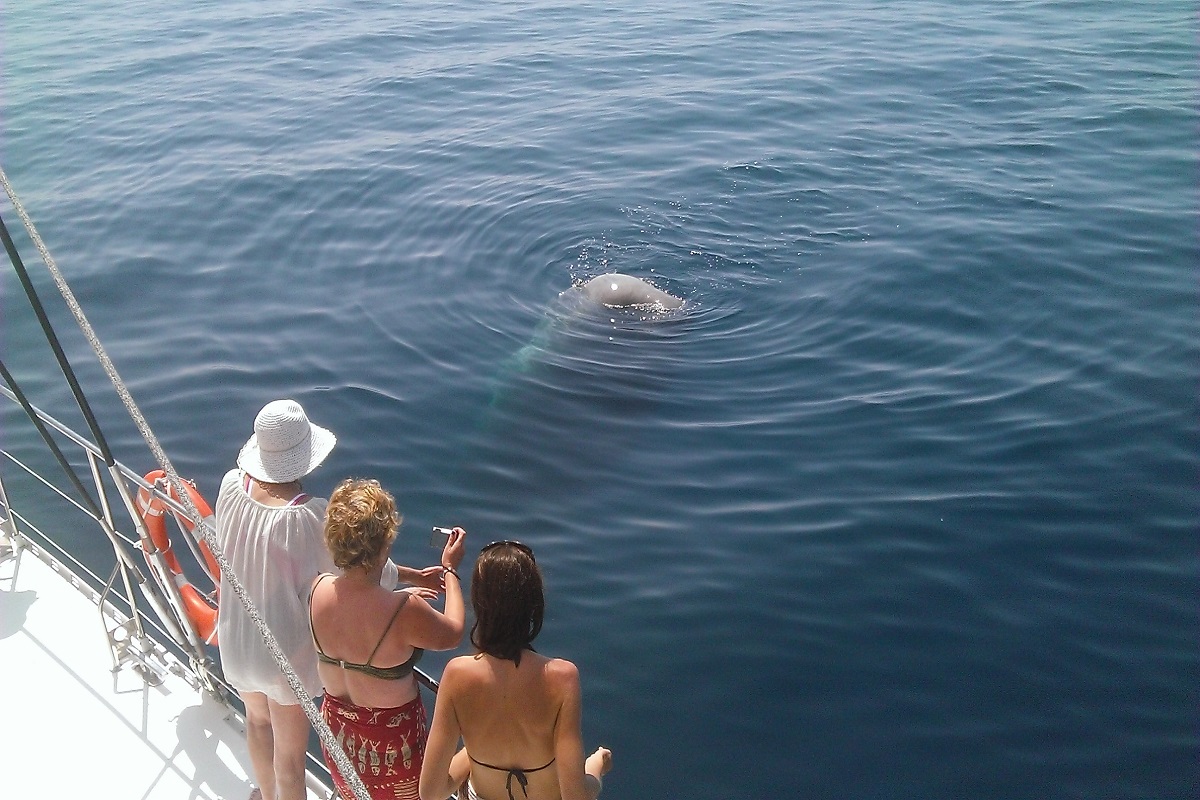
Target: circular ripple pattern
<point x="901" y="504"/>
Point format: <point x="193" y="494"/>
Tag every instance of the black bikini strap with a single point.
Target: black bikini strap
<point x="519" y="774"/>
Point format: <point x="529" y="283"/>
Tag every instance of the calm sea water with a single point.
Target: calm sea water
<point x="901" y="505"/>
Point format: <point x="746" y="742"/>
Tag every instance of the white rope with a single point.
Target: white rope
<point x="349" y="773"/>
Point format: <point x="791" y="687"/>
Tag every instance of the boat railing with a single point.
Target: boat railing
<point x="134" y="583"/>
<point x="145" y="614"/>
<point x="127" y="573"/>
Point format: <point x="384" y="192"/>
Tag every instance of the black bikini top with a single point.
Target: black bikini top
<point x="513" y="772"/>
<point x="384" y="673"/>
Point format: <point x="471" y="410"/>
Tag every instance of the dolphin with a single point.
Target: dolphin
<point x="619" y="290"/>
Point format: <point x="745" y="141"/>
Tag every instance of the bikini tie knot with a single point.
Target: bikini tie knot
<point x="519" y="774"/>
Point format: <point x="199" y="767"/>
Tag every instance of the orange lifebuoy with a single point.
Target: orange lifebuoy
<point x="201" y="613"/>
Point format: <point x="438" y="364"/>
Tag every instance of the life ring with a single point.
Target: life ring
<point x="201" y="612"/>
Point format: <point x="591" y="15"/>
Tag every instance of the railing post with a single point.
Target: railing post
<point x="10" y="540"/>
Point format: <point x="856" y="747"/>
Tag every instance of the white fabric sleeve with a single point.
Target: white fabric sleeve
<point x="390" y="577"/>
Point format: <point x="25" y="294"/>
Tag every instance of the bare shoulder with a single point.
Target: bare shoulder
<point x="562" y="675"/>
<point x="460" y="664"/>
<point x="320" y="594"/>
<point x="461" y="670"/>
<point x="412" y="603"/>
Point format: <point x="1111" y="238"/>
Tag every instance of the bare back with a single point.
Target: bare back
<point x="361" y="625"/>
<point x="509" y="718"/>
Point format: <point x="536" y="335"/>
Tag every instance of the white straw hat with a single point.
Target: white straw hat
<point x="285" y="445"/>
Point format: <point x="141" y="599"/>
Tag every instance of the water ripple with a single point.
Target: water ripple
<point x="906" y="486"/>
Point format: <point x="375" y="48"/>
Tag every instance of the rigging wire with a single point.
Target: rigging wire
<point x="52" y="338"/>
<point x="332" y="747"/>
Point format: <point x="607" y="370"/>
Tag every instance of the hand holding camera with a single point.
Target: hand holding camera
<point x="453" y="544"/>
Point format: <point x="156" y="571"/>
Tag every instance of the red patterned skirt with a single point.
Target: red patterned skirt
<point x="386" y="746"/>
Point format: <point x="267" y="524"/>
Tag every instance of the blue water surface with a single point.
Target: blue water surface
<point x="902" y="504"/>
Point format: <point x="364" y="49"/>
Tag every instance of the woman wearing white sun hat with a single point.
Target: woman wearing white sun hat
<point x="271" y="533"/>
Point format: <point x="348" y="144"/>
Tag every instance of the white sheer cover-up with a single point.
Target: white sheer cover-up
<point x="276" y="551"/>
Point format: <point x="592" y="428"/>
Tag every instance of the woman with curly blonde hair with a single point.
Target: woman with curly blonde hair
<point x="368" y="640"/>
<point x="270" y="530"/>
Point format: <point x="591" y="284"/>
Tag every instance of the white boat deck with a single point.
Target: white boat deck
<point x="72" y="727"/>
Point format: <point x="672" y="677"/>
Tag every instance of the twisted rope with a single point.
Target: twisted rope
<point x="349" y="773"/>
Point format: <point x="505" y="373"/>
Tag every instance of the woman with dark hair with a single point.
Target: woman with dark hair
<point x="518" y="712"/>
